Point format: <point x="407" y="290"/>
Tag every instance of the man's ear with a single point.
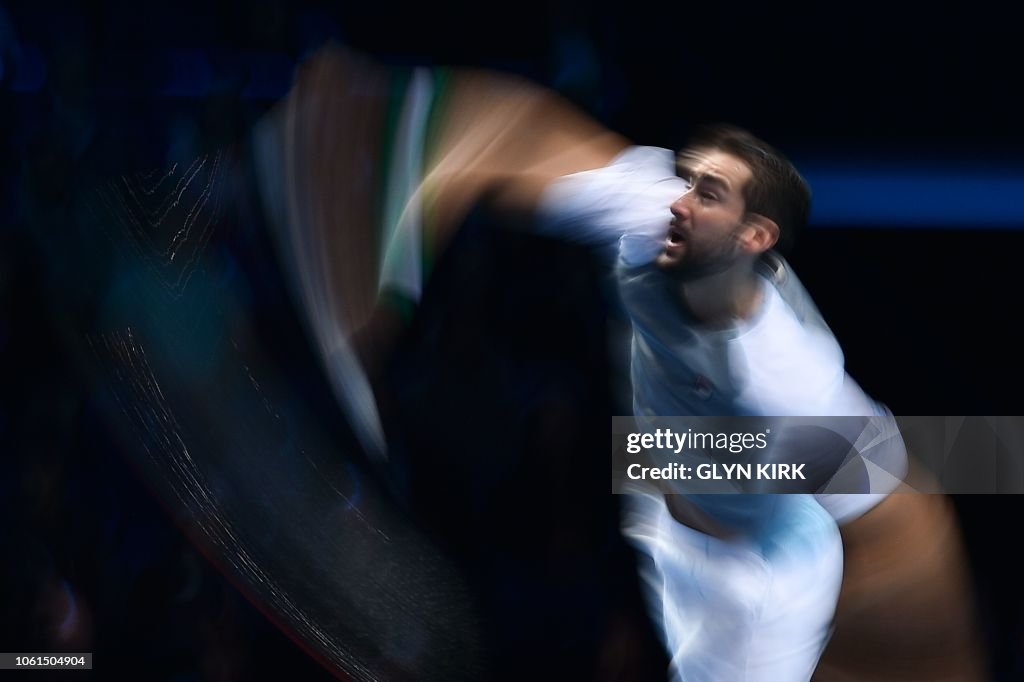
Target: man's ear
<point x="759" y="233"/>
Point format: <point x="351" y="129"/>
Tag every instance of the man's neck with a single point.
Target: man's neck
<point x="722" y="299"/>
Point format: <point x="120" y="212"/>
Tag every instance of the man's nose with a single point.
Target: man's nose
<point x="681" y="206"/>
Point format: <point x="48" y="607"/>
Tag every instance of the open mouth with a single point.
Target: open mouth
<point x="674" y="239"/>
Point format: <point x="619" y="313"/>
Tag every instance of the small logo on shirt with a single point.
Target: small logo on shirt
<point x="703" y="387"/>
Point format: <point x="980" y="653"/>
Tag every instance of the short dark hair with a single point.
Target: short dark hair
<point x="776" y="190"/>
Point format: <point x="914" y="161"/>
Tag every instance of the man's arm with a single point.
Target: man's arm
<point x="372" y="169"/>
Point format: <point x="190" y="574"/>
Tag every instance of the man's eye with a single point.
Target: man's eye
<point x="710" y="196"/>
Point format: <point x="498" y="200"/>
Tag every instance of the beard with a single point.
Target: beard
<point x="699" y="261"/>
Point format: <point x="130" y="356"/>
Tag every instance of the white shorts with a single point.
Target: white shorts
<point x="750" y="609"/>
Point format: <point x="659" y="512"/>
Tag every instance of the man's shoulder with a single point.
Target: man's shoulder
<point x="629" y="196"/>
<point x="645" y="157"/>
<point x="787" y="365"/>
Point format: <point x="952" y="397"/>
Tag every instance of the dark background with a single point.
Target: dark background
<point x="926" y="313"/>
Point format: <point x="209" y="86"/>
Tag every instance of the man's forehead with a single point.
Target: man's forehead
<point x="715" y="163"/>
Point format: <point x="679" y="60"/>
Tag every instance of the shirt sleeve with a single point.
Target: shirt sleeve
<point x="624" y="206"/>
<point x="876" y="459"/>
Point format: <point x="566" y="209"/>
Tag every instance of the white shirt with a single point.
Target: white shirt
<point x="782" y="361"/>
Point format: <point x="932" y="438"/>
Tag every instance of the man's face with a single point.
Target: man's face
<point x="706" y="221"/>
